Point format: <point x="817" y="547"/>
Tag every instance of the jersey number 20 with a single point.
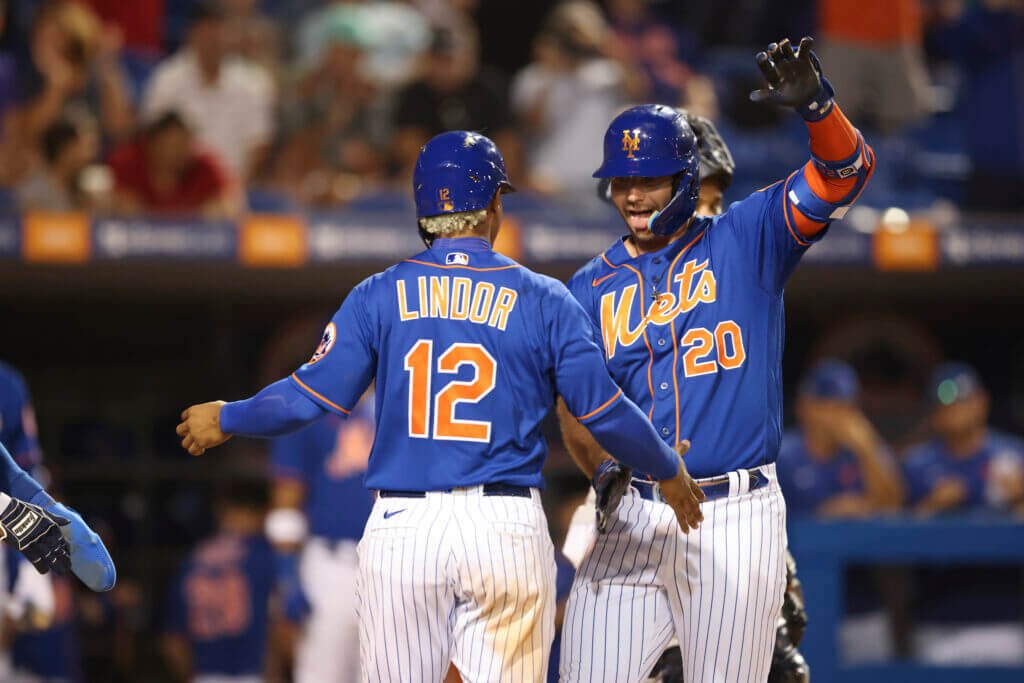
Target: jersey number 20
<point x="437" y="418"/>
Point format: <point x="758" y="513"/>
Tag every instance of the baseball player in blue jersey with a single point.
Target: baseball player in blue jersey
<point x="23" y="498"/>
<point x="688" y="310"/>
<point x="217" y="620"/>
<point x="320" y="507"/>
<point x="835" y="464"/>
<point x="468" y="350"/>
<point x="967" y="466"/>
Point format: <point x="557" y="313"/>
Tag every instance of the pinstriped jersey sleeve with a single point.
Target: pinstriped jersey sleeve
<point x="581" y="376"/>
<point x="767" y="236"/>
<point x="345" y="361"/>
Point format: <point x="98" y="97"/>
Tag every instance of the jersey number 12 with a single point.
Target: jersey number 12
<point x="436" y="418"/>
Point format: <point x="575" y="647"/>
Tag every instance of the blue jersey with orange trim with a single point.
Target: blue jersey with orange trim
<point x="220" y="604"/>
<point x="17" y="419"/>
<point x="468" y="349"/>
<point x="930" y="463"/>
<point x="808" y="482"/>
<point x="329" y="458"/>
<point x="693" y="333"/>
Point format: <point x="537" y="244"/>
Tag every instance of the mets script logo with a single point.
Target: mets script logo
<point x="630" y="144"/>
<point x="326" y="342"/>
<point x="695" y="285"/>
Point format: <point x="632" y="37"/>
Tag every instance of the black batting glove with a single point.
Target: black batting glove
<point x="37" y="534"/>
<point x="794" y="79"/>
<point x="610" y="483"/>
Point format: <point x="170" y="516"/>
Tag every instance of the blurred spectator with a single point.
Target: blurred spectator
<point x="333" y="134"/>
<point x="967" y="466"/>
<point x="141" y="22"/>
<point x="8" y="63"/>
<point x="228" y="102"/>
<point x="218" y="610"/>
<point x="875" y="60"/>
<point x="166" y="172"/>
<point x="655" y="47"/>
<point x="393" y="34"/>
<point x="451" y="93"/>
<point x="51" y="655"/>
<point x="566" y="97"/>
<point x="67" y="147"/>
<point x="73" y="70"/>
<point x="835" y="464"/>
<point x="988" y="42"/>
<point x="251" y="35"/>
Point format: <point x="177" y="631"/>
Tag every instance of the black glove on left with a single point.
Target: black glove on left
<point x="794" y="79"/>
<point x="37" y="534"/>
<point x="610" y="483"/>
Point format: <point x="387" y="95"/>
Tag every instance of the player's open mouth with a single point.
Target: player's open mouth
<point x="638" y="220"/>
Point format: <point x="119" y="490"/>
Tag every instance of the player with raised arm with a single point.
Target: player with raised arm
<point x="468" y="350"/>
<point x="689" y="311"/>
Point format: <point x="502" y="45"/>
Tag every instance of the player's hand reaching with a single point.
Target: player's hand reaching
<point x="794" y="79"/>
<point x="200" y="427"/>
<point x="610" y="483"/>
<point x="36" y="533"/>
<point x="682" y="493"/>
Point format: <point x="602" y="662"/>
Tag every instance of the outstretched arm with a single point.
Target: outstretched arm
<point x="841" y="162"/>
<point x="278" y="409"/>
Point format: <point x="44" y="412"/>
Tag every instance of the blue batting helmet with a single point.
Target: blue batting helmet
<point x="458" y="171"/>
<point x="649" y="141"/>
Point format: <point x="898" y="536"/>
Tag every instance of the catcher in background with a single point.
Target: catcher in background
<point x="611" y="480"/>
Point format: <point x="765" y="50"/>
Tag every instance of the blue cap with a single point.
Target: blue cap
<point x="458" y="171"/>
<point x="650" y="141"/>
<point x="953" y="382"/>
<point x="832" y="379"/>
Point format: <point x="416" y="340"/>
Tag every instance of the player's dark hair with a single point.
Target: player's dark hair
<point x="244" y="492"/>
<point x="203" y="11"/>
<point x="56" y="138"/>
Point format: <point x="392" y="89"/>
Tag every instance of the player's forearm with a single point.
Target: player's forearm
<point x="881" y="481"/>
<point x="584" y="450"/>
<point x="17" y="482"/>
<point x="276" y="410"/>
<point x="626" y="433"/>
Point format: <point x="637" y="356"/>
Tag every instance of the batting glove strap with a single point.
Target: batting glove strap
<point x="37" y="535"/>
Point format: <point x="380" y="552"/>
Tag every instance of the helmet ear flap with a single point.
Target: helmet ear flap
<point x="682" y="205"/>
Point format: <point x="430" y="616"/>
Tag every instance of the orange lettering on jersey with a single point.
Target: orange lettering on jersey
<point x="615" y="320"/>
<point x="503" y="306"/>
<point x="461" y="298"/>
<point x="403" y="306"/>
<point x="695" y="285"/>
<point x="439" y="296"/>
<point x="483" y="297"/>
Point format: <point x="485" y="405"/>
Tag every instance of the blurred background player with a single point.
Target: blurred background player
<point x="967" y="467"/>
<point x="28" y="606"/>
<point x="18" y="419"/>
<point x="835" y="464"/>
<point x="319" y="506"/>
<point x="217" y="620"/>
<point x="51" y="654"/>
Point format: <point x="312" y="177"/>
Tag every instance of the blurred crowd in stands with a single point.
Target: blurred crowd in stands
<point x="214" y="107"/>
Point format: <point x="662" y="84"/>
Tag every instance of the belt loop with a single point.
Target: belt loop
<point x="734" y="483"/>
<point x="744" y="483"/>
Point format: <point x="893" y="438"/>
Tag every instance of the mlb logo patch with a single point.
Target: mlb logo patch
<point x="457" y="258"/>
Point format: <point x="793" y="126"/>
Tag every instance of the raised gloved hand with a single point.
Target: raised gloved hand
<point x="37" y="534"/>
<point x="610" y="483"/>
<point x="289" y="585"/>
<point x="794" y="79"/>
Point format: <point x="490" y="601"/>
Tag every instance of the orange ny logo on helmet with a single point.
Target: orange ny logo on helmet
<point x="630" y="144"/>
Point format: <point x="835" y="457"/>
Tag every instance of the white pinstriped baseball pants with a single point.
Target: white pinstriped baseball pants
<point x="718" y="590"/>
<point x="456" y="577"/>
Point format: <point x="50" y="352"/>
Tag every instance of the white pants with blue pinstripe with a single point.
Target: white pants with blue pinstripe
<point x="456" y="577"/>
<point x="718" y="590"/>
